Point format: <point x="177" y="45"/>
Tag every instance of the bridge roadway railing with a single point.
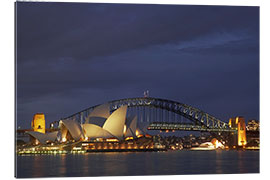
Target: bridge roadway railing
<point x="185" y="127"/>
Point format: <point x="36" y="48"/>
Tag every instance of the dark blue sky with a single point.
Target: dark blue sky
<point x="73" y="56"/>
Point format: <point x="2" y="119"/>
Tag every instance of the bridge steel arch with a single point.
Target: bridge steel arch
<point x="193" y="114"/>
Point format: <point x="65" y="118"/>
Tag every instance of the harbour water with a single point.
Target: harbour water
<point x="138" y="163"/>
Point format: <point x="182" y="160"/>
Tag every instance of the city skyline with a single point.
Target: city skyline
<point x="73" y="56"/>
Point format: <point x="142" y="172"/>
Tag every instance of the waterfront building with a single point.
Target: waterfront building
<point x="99" y="125"/>
<point x="95" y="126"/>
<point x="253" y="133"/>
<point x="253" y="125"/>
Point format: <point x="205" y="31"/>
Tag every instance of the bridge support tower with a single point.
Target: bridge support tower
<point x="38" y="123"/>
<point x="238" y="139"/>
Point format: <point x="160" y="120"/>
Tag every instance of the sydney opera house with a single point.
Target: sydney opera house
<point x="100" y="125"/>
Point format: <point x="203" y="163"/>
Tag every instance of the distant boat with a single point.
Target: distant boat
<point x="207" y="146"/>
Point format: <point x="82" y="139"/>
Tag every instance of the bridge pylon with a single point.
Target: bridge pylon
<point x="238" y="139"/>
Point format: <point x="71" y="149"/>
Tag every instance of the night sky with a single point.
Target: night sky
<point x="71" y="56"/>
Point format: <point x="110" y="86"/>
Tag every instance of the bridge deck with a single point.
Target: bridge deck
<point x="185" y="127"/>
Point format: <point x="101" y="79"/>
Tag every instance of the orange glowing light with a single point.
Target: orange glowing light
<point x="128" y="138"/>
<point x="218" y="144"/>
<point x="124" y="130"/>
<point x="36" y="142"/>
<point x="112" y="140"/>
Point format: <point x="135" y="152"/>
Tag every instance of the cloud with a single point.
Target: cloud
<point x="71" y="56"/>
<point x="83" y="31"/>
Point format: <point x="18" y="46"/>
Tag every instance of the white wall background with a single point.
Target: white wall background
<point x="7" y="84"/>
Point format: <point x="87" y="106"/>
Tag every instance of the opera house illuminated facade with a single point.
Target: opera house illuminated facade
<point x="99" y="125"/>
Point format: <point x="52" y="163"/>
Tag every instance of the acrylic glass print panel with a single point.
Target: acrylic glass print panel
<point x="136" y="89"/>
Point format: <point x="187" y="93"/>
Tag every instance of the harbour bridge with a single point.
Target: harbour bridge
<point x="163" y="114"/>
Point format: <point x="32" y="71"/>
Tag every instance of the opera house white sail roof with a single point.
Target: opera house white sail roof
<point x="110" y="125"/>
<point x="43" y="138"/>
<point x="115" y="122"/>
<point x="131" y="127"/>
<point x="95" y="131"/>
<point x="72" y="128"/>
<point x="99" y="115"/>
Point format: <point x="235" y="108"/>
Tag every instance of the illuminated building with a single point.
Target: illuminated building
<point x="101" y="125"/>
<point x="242" y="139"/>
<point x="253" y="125"/>
<point x="38" y="123"/>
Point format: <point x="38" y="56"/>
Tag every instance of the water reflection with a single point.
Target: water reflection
<point x="36" y="167"/>
<point x="219" y="162"/>
<point x="62" y="167"/>
<point x="139" y="163"/>
<point x="114" y="164"/>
